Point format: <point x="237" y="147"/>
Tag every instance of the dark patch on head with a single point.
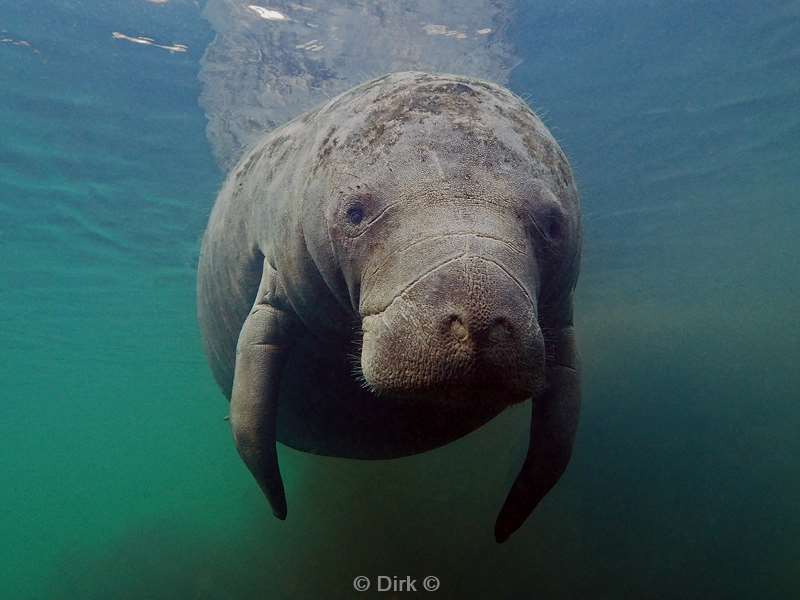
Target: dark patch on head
<point x="450" y="88"/>
<point x="309" y="116"/>
<point x="278" y="143"/>
<point x="426" y="95"/>
<point x="280" y="150"/>
<point x="414" y="99"/>
<point x="251" y="161"/>
<point x="327" y="146"/>
<point x="328" y="137"/>
<point x="539" y="146"/>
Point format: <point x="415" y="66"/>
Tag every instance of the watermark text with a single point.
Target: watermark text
<point x="394" y="583"/>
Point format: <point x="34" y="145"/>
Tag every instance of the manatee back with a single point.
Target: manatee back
<point x="231" y="259"/>
<point x="227" y="280"/>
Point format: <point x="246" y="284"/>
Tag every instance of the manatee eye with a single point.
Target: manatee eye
<point x="355" y="214"/>
<point x="548" y="225"/>
<point x="552" y="226"/>
<point x="355" y="211"/>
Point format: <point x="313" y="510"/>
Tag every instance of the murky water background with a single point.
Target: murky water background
<point x="119" y="476"/>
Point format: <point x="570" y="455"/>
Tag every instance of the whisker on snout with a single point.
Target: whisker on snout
<point x="354" y="358"/>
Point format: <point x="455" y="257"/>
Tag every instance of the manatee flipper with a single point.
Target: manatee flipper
<point x="261" y="353"/>
<point x="553" y="425"/>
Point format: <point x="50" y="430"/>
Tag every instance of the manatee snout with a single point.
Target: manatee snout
<point x="465" y="331"/>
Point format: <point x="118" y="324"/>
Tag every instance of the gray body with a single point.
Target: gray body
<point x="396" y="268"/>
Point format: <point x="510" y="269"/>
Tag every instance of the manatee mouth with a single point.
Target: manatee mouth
<point x="465" y="331"/>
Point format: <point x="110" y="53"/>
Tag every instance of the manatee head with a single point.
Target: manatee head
<point x="448" y="225"/>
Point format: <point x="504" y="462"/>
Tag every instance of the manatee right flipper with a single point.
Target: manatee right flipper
<point x="261" y="352"/>
<point x="553" y="425"/>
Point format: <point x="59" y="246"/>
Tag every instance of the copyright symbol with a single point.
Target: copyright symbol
<point x="431" y="583"/>
<point x="361" y="583"/>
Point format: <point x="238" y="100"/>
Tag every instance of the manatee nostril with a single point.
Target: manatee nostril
<point x="457" y="328"/>
<point x="500" y="329"/>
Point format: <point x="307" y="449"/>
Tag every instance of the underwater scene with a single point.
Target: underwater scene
<point x="677" y="124"/>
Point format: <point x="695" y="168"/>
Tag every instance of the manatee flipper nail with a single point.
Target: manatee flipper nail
<point x="261" y="352"/>
<point x="553" y="425"/>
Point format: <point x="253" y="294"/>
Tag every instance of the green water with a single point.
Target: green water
<point x="119" y="478"/>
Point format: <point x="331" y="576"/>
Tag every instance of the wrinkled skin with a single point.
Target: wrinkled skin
<point x="387" y="273"/>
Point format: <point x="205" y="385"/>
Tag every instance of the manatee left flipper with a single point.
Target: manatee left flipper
<point x="261" y="352"/>
<point x="553" y="426"/>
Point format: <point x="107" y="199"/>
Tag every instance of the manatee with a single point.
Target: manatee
<point x="386" y="273"/>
